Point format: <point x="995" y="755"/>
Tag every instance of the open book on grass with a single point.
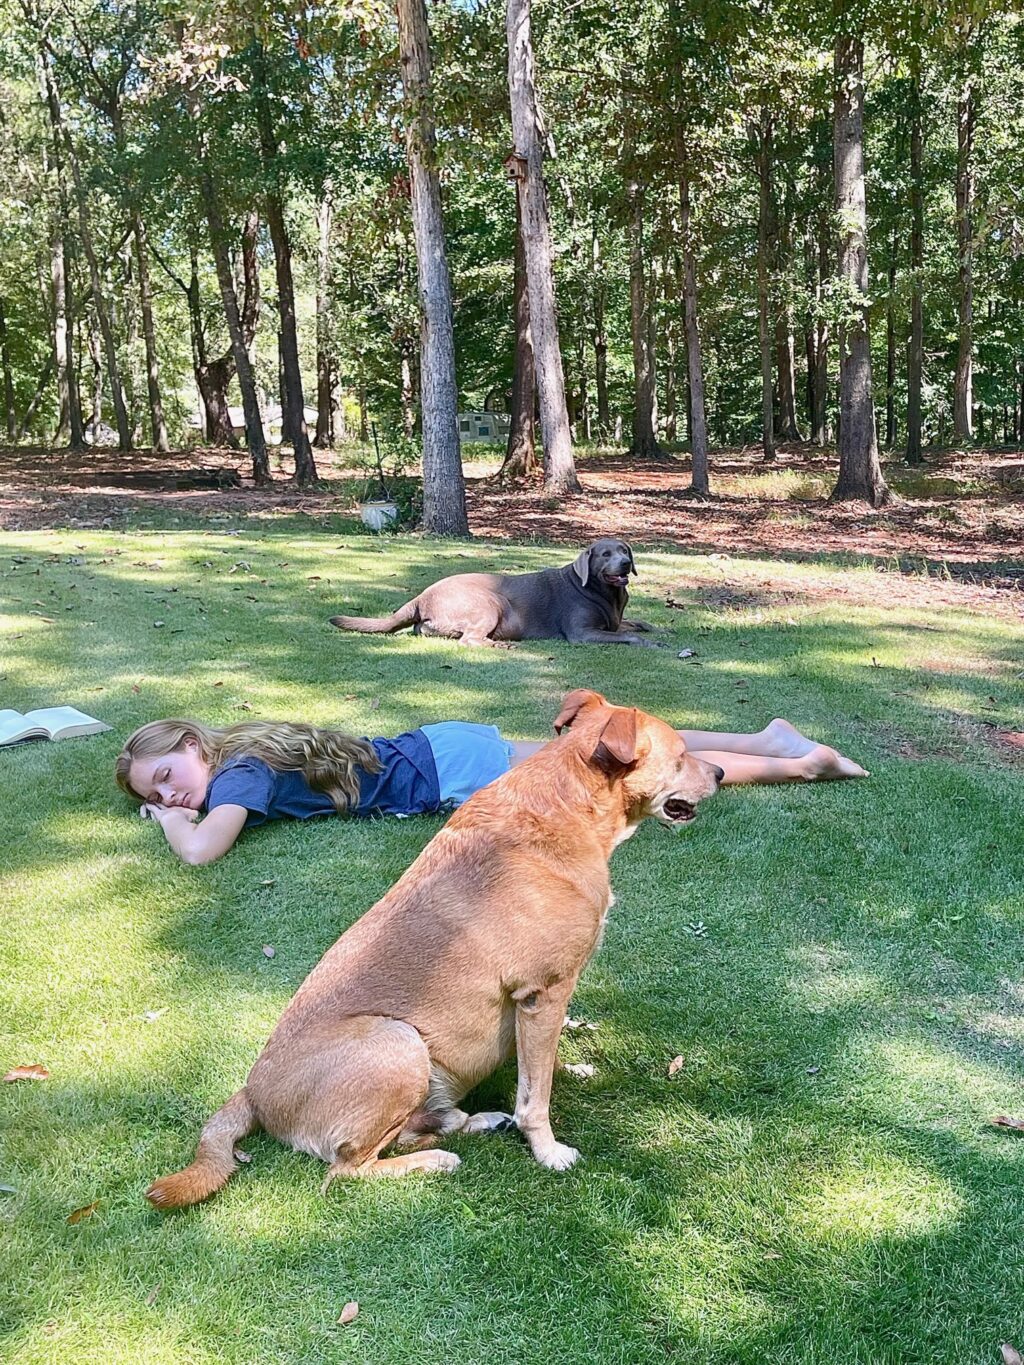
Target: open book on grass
<point x="54" y="722"/>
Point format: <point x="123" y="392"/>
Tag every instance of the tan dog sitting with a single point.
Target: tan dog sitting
<point x="474" y="952"/>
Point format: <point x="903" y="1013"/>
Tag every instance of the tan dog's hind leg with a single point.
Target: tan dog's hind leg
<point x="539" y="1018"/>
<point x="350" y="1094"/>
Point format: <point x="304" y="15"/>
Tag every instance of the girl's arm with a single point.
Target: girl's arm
<point x="202" y="842"/>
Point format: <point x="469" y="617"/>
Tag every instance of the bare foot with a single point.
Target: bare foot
<point x="823" y="764"/>
<point x="782" y="740"/>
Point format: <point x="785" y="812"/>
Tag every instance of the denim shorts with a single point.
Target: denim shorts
<point x="467" y="757"/>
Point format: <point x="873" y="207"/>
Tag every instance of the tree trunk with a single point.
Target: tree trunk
<point x="645" y="441"/>
<point x="860" y="474"/>
<point x="765" y="237"/>
<point x="890" y="352"/>
<point x="158" y="424"/>
<point x="966" y="113"/>
<point x="526" y="166"/>
<point x="254" y="437"/>
<point x="62" y="138"/>
<point x="819" y="409"/>
<point x="694" y="356"/>
<point x="293" y="404"/>
<point x="521" y="451"/>
<point x="604" y="421"/>
<point x="915" y="347"/>
<point x="5" y="360"/>
<point x="96" y="356"/>
<point x="444" y="489"/>
<point x="785" y="360"/>
<point x="70" y="419"/>
<point x="44" y="378"/>
<point x="324" y="435"/>
<point x="670" y="384"/>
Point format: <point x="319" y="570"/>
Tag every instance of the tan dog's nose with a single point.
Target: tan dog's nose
<point x="719" y="773"/>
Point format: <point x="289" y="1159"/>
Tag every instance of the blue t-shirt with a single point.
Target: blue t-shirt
<point x="406" y="785"/>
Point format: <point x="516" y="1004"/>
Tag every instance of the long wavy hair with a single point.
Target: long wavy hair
<point x="329" y="760"/>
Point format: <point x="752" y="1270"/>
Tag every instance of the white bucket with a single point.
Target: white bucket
<point x="378" y="515"/>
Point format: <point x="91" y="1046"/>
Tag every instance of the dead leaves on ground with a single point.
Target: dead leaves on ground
<point x="349" y="1313"/>
<point x="676" y="1064"/>
<point x="1004" y="1121"/>
<point x="86" y="1211"/>
<point x="1010" y="1354"/>
<point x="35" y="1072"/>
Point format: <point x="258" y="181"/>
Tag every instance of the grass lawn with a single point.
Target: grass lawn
<point x="839" y="966"/>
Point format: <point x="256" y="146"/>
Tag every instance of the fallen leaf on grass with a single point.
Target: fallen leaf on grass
<point x="136" y="689"/>
<point x="242" y="1156"/>
<point x="35" y="1072"/>
<point x="48" y="619"/>
<point x="8" y="1189"/>
<point x="86" y="1212"/>
<point x="375" y="704"/>
<point x="269" y="881"/>
<point x="686" y="654"/>
<point x="1000" y="1120"/>
<point x="269" y="950"/>
<point x="813" y="1070"/>
<point x="676" y="1064"/>
<point x="581" y="1069"/>
<point x="218" y="684"/>
<point x="349" y="1313"/>
<point x="158" y="624"/>
<point x="151" y="1296"/>
<point x="244" y="706"/>
<point x="1010" y="1354"/>
<point x="151" y="1015"/>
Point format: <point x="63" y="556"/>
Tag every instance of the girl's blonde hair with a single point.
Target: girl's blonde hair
<point x="327" y="759"/>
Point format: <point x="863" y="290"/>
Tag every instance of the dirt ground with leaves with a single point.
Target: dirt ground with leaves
<point x="954" y="531"/>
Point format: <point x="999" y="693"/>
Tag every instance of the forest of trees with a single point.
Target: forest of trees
<point x="712" y="223"/>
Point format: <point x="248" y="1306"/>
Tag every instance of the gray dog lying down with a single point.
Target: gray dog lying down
<point x="581" y="602"/>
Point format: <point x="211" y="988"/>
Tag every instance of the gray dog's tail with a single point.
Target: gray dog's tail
<point x="380" y="625"/>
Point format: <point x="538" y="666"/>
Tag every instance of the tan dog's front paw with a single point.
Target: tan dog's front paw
<point x="558" y="1157"/>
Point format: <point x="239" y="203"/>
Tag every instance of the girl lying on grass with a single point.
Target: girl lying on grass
<point x="205" y="786"/>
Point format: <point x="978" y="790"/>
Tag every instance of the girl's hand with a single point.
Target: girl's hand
<point x="152" y="810"/>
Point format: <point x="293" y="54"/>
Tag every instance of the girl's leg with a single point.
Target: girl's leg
<point x="778" y="753"/>
<point x="819" y="764"/>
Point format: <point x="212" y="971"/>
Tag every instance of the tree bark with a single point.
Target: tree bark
<point x="963" y="398"/>
<point x="698" y="428"/>
<point x="762" y="134"/>
<point x="604" y="420"/>
<point x="785" y="360"/>
<point x="890" y="352"/>
<point x="11" y="415"/>
<point x="521" y="451"/>
<point x="293" y="407"/>
<point x="254" y="437"/>
<point x="158" y="423"/>
<point x="817" y="331"/>
<point x="645" y="441"/>
<point x="62" y="138"/>
<point x="444" y="489"/>
<point x="915" y="347"/>
<point x="860" y="474"/>
<point x="526" y="165"/>
<point x="96" y="356"/>
<point x="43" y="380"/>
<point x="70" y="419"/>
<point x="324" y="435"/>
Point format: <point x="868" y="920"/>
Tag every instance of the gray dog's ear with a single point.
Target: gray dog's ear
<point x="581" y="565"/>
<point x="632" y="562"/>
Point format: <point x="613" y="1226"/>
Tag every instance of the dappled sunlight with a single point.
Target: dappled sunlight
<point x="878" y="1195"/>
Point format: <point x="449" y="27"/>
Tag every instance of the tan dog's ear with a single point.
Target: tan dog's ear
<point x="616" y="749"/>
<point x="574" y="703"/>
<point x="581" y="565"/>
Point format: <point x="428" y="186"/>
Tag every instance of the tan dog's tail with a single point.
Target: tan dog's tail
<point x="215" y="1159"/>
<point x="380" y="625"/>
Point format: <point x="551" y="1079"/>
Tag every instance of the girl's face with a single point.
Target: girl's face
<point x="176" y="779"/>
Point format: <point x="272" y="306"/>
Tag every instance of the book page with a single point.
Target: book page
<point x="12" y="725"/>
<point x="64" y="721"/>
